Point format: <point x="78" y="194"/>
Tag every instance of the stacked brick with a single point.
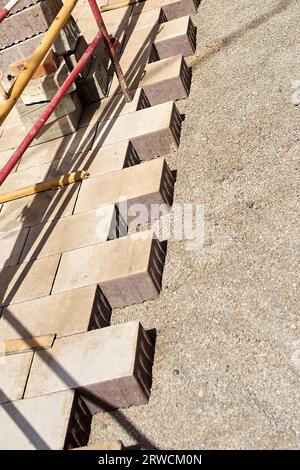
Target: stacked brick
<point x="20" y="34"/>
<point x="68" y="258"/>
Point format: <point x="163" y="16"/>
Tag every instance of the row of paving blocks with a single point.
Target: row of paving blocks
<point x="68" y="258"/>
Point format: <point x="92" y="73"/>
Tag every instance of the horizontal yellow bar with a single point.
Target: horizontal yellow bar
<point x="52" y="183"/>
<point x="36" y="59"/>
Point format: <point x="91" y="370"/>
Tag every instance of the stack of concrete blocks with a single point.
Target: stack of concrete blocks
<point x="20" y="34"/>
<point x="67" y="262"/>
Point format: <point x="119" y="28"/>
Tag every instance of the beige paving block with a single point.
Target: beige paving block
<point x="21" y="179"/>
<point x="137" y="51"/>
<point x="75" y="231"/>
<point x="129" y="270"/>
<point x="98" y="162"/>
<point x="139" y="21"/>
<point x="176" y="37"/>
<point x="110" y="367"/>
<point x="11" y="246"/>
<point x="14" y="371"/>
<point x="68" y="313"/>
<point x="58" y="149"/>
<point x="113" y="107"/>
<point x="166" y="80"/>
<point x="38" y="208"/>
<point x="149" y="183"/>
<point x="152" y="131"/>
<point x="172" y="8"/>
<point x="4" y="157"/>
<point x="57" y="421"/>
<point x="27" y="281"/>
<point x="44" y="88"/>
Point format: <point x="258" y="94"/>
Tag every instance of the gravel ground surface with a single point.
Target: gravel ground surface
<point x="227" y="364"/>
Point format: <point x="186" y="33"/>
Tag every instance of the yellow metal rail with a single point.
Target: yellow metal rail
<point x="52" y="183"/>
<point x="36" y="59"/>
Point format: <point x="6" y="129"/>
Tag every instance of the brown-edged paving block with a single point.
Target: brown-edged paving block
<point x="38" y="208"/>
<point x="98" y="162"/>
<point x="29" y="22"/>
<point x="11" y="246"/>
<point x="28" y="280"/>
<point x="152" y="131"/>
<point x="68" y="313"/>
<point x="44" y="88"/>
<point x="172" y="8"/>
<point x="58" y="421"/>
<point x="48" y="66"/>
<point x="75" y="231"/>
<point x="21" y="4"/>
<point x="113" y="107"/>
<point x="58" y="149"/>
<point x="14" y="372"/>
<point x="108" y="445"/>
<point x="65" y="42"/>
<point x="166" y="80"/>
<point x="176" y="37"/>
<point x="110" y="368"/>
<point x="140" y="21"/>
<point x="149" y="183"/>
<point x="129" y="270"/>
<point x="22" y="345"/>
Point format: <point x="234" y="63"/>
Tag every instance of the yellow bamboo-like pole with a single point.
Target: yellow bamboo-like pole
<point x="121" y="4"/>
<point x="36" y="59"/>
<point x="52" y="183"/>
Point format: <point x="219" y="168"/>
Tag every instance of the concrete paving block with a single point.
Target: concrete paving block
<point x="65" y="42"/>
<point x="152" y="131"/>
<point x="171" y="8"/>
<point x="12" y="244"/>
<point x="21" y="179"/>
<point x="110" y="368"/>
<point x="166" y="80"/>
<point x="57" y="149"/>
<point x="28" y="280"/>
<point x="73" y="58"/>
<point x="58" y="421"/>
<point x="98" y="162"/>
<point x="44" y="88"/>
<point x="139" y="21"/>
<point x="27" y="23"/>
<point x="19" y="6"/>
<point x="49" y="65"/>
<point x="29" y="114"/>
<point x="113" y="107"/>
<point x="14" y="371"/>
<point x="38" y="208"/>
<point x="4" y="157"/>
<point x="69" y="313"/>
<point x="65" y="125"/>
<point x="129" y="269"/>
<point x="176" y="37"/>
<point x="75" y="231"/>
<point x="149" y="183"/>
<point x="94" y="86"/>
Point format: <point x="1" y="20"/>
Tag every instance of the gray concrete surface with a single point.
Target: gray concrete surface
<point x="227" y="364"/>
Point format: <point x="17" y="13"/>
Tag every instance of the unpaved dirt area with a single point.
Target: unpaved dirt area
<point x="227" y="364"/>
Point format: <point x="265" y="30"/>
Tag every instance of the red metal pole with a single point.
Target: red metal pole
<point x="49" y="110"/>
<point x="111" y="50"/>
<point x="3" y="14"/>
